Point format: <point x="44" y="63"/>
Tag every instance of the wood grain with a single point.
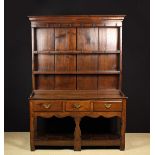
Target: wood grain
<point x="45" y="62"/>
<point x="108" y="62"/>
<point x="86" y="63"/>
<point x="87" y="39"/>
<point x="85" y="82"/>
<point x="108" y="39"/>
<point x="65" y="63"/>
<point x="45" y="39"/>
<point x="65" y="39"/>
<point x="108" y="81"/>
<point x="44" y="82"/>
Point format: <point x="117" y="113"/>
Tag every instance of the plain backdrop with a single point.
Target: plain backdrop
<point x="136" y="54"/>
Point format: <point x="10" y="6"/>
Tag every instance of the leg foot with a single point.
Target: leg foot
<point x="77" y="147"/>
<point x="32" y="148"/>
<point x="122" y="147"/>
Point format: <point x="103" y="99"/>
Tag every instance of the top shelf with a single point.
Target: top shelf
<point x="76" y="52"/>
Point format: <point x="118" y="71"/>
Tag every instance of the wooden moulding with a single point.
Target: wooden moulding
<point x="77" y="21"/>
<point x="74" y="114"/>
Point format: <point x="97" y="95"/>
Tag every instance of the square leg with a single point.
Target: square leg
<point x="123" y="126"/>
<point x="33" y="129"/>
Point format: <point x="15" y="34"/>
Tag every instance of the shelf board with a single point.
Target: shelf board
<point x="100" y="140"/>
<point x="55" y="140"/>
<point x="76" y="52"/>
<point x="86" y="140"/>
<point x="79" y="73"/>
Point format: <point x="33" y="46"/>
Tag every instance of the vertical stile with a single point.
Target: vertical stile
<point x="33" y="61"/>
<point x="76" y="58"/>
<point x="120" y="48"/>
<point x="98" y="60"/>
<point x="54" y="57"/>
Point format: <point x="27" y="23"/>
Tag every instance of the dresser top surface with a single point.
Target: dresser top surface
<point x="77" y="94"/>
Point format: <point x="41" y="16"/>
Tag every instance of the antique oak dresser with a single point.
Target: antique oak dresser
<point x="77" y="72"/>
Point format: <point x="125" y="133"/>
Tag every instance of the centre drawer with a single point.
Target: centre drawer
<point x="47" y="106"/>
<point x="107" y="105"/>
<point x="78" y="106"/>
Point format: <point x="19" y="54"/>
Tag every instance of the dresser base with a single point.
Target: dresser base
<point x="77" y="109"/>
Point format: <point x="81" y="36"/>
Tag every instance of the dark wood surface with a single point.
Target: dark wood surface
<point x="77" y="72"/>
<point x="78" y="94"/>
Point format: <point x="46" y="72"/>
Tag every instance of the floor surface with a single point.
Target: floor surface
<point x="18" y="143"/>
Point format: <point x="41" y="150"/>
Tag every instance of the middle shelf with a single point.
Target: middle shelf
<point x="79" y="72"/>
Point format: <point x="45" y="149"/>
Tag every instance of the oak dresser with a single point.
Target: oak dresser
<point x="77" y="72"/>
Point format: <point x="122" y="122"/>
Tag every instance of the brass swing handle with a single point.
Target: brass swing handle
<point x="77" y="106"/>
<point x="107" y="105"/>
<point x="47" y="106"/>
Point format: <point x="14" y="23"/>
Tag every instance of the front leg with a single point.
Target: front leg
<point x="33" y="125"/>
<point x="123" y="126"/>
<point x="77" y="135"/>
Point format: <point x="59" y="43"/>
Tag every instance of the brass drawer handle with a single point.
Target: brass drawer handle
<point x="46" y="106"/>
<point x="77" y="106"/>
<point x="107" y="105"/>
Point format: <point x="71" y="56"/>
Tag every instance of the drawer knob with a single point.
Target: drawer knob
<point x="77" y="106"/>
<point x="46" y="106"/>
<point x="107" y="105"/>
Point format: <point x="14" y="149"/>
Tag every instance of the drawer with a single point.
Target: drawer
<point x="78" y="106"/>
<point x="107" y="105"/>
<point x="47" y="106"/>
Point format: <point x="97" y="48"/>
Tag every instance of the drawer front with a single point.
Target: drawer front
<point x="47" y="106"/>
<point x="78" y="106"/>
<point x="107" y="105"/>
